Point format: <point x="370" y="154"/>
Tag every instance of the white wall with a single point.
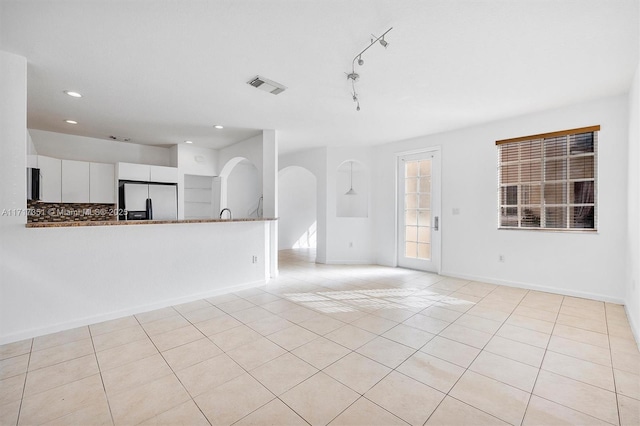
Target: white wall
<point x="244" y="188"/>
<point x="353" y="205"/>
<point x="195" y="160"/>
<point x="251" y="149"/>
<point x="349" y="239"/>
<point x="632" y="296"/>
<point x="59" y="278"/>
<point x="81" y="148"/>
<point x="583" y="264"/>
<point x="297" y="208"/>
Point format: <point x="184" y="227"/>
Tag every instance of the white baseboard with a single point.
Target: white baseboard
<point x="348" y="262"/>
<point x="94" y="319"/>
<point x="538" y="287"/>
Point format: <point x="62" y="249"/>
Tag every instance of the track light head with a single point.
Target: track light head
<point x="360" y="61"/>
<point x="383" y="42"/>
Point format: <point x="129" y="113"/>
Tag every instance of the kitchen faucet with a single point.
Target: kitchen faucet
<point x="222" y="212"/>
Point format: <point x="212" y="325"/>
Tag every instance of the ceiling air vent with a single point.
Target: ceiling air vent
<point x="266" y="85"/>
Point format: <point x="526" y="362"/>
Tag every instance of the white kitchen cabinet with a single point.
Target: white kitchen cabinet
<point x="147" y="173"/>
<point x="130" y="171"/>
<point x="51" y="178"/>
<point x="163" y="174"/>
<point x="75" y="181"/>
<point x="102" y="187"/>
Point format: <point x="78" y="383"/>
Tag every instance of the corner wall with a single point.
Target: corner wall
<point x="632" y="296"/>
<point x="582" y="264"/>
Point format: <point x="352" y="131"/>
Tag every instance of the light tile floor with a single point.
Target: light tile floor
<point x="340" y="345"/>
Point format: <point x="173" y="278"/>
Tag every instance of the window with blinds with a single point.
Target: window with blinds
<point x="548" y="181"/>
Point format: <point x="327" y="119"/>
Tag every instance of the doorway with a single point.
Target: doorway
<point x="418" y="204"/>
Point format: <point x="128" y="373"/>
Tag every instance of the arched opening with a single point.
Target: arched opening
<point x="297" y="209"/>
<point x="241" y="188"/>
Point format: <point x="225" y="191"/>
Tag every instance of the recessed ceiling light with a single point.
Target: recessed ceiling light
<point x="73" y="94"/>
<point x="70" y="121"/>
<point x="188" y="142"/>
<point x="217" y="126"/>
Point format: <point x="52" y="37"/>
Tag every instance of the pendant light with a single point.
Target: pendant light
<point x="351" y="191"/>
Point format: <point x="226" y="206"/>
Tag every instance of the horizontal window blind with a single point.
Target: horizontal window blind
<point x="548" y="181"/>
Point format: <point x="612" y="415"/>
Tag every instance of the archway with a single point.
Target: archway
<point x="297" y="208"/>
<point x="241" y="188"/>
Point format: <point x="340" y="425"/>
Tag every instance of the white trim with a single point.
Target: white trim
<point x="35" y="332"/>
<point x="537" y="287"/>
<point x="348" y="262"/>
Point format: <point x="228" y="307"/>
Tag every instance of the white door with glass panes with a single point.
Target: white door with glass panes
<point x="419" y="211"/>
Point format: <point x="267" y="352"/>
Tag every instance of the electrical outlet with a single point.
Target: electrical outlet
<point x="501" y="258"/>
<point x="254" y="259"/>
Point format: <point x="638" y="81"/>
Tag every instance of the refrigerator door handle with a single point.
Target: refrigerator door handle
<point x="149" y="209"/>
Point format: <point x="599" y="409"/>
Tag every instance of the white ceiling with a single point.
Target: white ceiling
<point x="161" y="72"/>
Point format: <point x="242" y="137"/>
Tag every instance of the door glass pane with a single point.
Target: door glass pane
<point x="425" y="168"/>
<point x="411" y="250"/>
<point x="417" y="209"/>
<point x="424" y="251"/>
<point x="410" y="185"/>
<point x="411" y="233"/>
<point x="424" y="234"/>
<point x="425" y="200"/>
<point x="411" y="201"/>
<point x="411" y="168"/>
<point x="424" y="218"/>
<point x="410" y="217"/>
<point x="425" y="184"/>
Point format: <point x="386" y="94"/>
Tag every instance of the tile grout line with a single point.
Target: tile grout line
<point x="613" y="373"/>
<point x="171" y="369"/>
<point x="541" y="363"/>
<point x="474" y="359"/>
<point x="104" y="389"/>
<point x="24" y="385"/>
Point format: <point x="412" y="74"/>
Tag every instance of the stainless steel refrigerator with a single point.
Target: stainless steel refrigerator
<point x="148" y="201"/>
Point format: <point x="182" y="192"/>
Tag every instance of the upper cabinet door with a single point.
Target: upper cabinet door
<point x="130" y="171"/>
<point x="50" y="171"/>
<point x="164" y="174"/>
<point x="102" y="187"/>
<point x="75" y="181"/>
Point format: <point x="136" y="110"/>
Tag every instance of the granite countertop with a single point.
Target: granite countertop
<point x="139" y="222"/>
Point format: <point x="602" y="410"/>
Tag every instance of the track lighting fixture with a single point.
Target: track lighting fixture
<point x="353" y="75"/>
